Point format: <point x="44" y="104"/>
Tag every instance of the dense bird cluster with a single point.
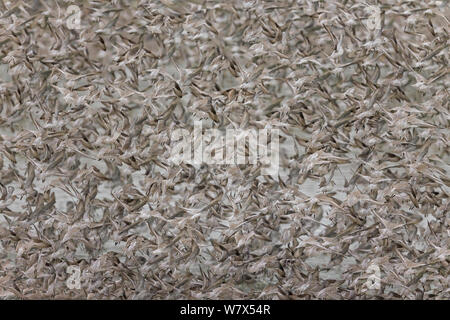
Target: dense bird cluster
<point x="89" y="100"/>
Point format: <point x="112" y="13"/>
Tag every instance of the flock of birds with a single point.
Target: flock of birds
<point x="87" y="113"/>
